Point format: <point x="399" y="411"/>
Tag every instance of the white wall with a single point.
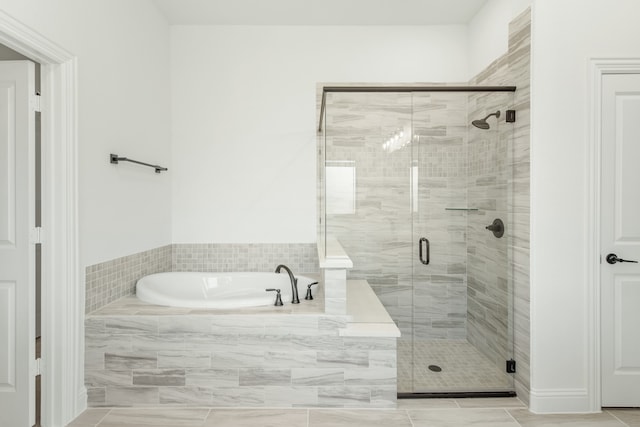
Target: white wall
<point x="123" y="67"/>
<point x="243" y="116"/>
<point x="489" y="32"/>
<point x="566" y="33"/>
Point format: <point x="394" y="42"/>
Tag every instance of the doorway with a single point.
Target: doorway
<point x="620" y="240"/>
<point x="606" y="142"/>
<point x="7" y="54"/>
<point x="63" y="392"/>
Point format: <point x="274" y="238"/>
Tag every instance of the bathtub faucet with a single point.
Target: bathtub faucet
<point x="294" y="284"/>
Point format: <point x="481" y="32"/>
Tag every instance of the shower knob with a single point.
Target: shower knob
<point x="496" y="227"/>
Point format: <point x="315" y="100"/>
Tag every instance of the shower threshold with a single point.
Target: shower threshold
<point x="456" y="395"/>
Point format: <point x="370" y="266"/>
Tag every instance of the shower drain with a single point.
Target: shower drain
<point x="435" y="368"/>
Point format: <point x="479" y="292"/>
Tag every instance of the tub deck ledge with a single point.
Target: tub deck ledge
<point x="369" y="318"/>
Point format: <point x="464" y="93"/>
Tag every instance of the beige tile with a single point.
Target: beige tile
<point x="89" y="418"/>
<point x="462" y="417"/>
<point x="487" y="402"/>
<point x="630" y="416"/>
<point x="426" y="403"/>
<point x="155" y="417"/>
<point x="528" y="419"/>
<point x="257" y="418"/>
<point x="132" y="396"/>
<point x="358" y="418"/>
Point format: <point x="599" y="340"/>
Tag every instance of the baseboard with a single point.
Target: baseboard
<point x="81" y="402"/>
<point x="560" y="401"/>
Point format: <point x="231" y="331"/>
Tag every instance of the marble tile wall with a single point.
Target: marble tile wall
<point x="520" y="69"/>
<point x="108" y="281"/>
<point x="488" y="293"/>
<point x="377" y="234"/>
<point x="514" y="69"/>
<point x="440" y="153"/>
<point x="334" y="285"/>
<point x="235" y="360"/>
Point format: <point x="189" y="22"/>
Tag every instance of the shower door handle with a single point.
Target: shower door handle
<point x="424" y="240"/>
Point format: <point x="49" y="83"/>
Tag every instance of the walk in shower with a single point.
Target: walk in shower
<point x="415" y="184"/>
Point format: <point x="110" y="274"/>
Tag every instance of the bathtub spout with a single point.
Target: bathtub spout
<point x="294" y="284"/>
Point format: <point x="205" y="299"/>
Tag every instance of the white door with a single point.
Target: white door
<point x="620" y="237"/>
<point x="17" y="254"/>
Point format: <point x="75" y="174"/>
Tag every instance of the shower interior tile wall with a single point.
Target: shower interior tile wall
<point x="487" y="273"/>
<point x="357" y="125"/>
<point x="377" y="235"/>
<point x="514" y="69"/>
<point x="440" y="152"/>
<point x="519" y="66"/>
<point x="111" y="280"/>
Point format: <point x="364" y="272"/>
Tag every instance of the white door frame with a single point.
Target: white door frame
<point x="63" y="390"/>
<point x="597" y="68"/>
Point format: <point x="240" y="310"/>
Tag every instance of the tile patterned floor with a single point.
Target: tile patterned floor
<point x="507" y="412"/>
<point x="464" y="368"/>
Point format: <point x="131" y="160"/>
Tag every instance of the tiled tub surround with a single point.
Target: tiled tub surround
<point x="108" y="281"/>
<point x="334" y="276"/>
<point x="143" y="355"/>
<point x="220" y="257"/>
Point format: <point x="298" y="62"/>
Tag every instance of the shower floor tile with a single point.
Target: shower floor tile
<point x="464" y="368"/>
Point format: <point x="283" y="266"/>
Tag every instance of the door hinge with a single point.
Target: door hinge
<point x="511" y="366"/>
<point x="37" y="367"/>
<point x="36" y="235"/>
<point x="35" y="102"/>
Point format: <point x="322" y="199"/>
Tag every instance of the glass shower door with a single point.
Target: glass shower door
<point x="409" y="186"/>
<point x="461" y="298"/>
<point x="367" y="208"/>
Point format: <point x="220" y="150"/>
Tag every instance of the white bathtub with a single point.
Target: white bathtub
<point x="218" y="290"/>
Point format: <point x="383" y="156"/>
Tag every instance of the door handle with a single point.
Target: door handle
<point x="613" y="258"/>
<point x="426" y="244"/>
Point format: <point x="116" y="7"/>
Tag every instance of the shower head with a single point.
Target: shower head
<point x="482" y="124"/>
